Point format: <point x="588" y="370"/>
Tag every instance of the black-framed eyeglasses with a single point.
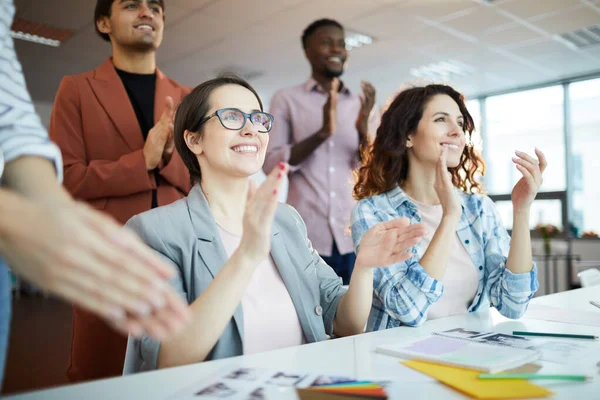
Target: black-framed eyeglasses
<point x="234" y="119"/>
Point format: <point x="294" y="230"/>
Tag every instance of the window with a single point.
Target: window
<point x="521" y="121"/>
<point x="542" y="212"/>
<point x="585" y="162"/>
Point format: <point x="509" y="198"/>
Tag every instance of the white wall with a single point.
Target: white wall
<point x="43" y="108"/>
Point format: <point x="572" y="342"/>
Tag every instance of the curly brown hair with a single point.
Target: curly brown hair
<point x="385" y="162"/>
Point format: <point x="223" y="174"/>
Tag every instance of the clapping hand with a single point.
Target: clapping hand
<point x="330" y="110"/>
<point x="367" y="101"/>
<point x="387" y="243"/>
<point x="445" y="190"/>
<point x="261" y="205"/>
<point x="528" y="186"/>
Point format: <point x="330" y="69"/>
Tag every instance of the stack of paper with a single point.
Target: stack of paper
<point x="490" y="355"/>
<point x="343" y="391"/>
<point x="245" y="383"/>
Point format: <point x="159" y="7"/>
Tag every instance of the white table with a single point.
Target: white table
<point x="355" y="357"/>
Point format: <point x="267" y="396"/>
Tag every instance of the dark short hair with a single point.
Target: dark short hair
<point x="316" y="25"/>
<point x="103" y="8"/>
<point x="385" y="162"/>
<point x="191" y="112"/>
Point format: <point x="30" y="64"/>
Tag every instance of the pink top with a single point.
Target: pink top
<point x="270" y="318"/>
<point x="461" y="278"/>
<point x="320" y="187"/>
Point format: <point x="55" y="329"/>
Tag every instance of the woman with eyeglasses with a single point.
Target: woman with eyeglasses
<point x="423" y="166"/>
<point x="246" y="268"/>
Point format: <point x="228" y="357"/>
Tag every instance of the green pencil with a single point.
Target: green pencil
<point x="535" y="376"/>
<point x="560" y="335"/>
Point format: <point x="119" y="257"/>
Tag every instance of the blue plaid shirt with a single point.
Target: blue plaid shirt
<point x="403" y="292"/>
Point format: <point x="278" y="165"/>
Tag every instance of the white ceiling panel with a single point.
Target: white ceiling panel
<point x="540" y="47"/>
<point x="366" y="58"/>
<point x="451" y="47"/>
<point x="534" y="8"/>
<point x="569" y="20"/>
<point x="475" y="56"/>
<point x="186" y="4"/>
<point x="436" y="9"/>
<point x="191" y="34"/>
<point x="262" y="38"/>
<point x="511" y="36"/>
<point x="235" y="13"/>
<point x="477" y="21"/>
<point x="388" y="23"/>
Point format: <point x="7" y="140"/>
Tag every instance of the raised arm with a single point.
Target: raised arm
<point x="404" y="288"/>
<point x="509" y="291"/>
<point x="512" y="280"/>
<point x="384" y="244"/>
<point x="214" y="308"/>
<point x="282" y="147"/>
<point x="59" y="245"/>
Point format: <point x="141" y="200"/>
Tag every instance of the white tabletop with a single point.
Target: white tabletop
<point x="578" y="299"/>
<point x="355" y="357"/>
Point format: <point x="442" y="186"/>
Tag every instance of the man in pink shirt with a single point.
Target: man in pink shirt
<point x="319" y="128"/>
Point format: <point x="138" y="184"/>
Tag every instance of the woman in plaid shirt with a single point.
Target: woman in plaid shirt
<point x="423" y="166"/>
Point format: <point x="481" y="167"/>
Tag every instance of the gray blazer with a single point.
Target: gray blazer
<point x="185" y="234"/>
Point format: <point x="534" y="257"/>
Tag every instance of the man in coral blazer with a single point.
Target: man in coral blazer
<point x="114" y="128"/>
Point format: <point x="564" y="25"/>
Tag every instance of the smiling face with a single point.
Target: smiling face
<point x="326" y="51"/>
<point x="135" y="24"/>
<point x="440" y="126"/>
<point x="222" y="151"/>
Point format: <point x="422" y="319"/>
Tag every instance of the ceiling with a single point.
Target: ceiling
<point x="506" y="43"/>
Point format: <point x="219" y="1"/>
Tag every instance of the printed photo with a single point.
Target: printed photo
<point x="283" y="379"/>
<point x="463" y="333"/>
<point x="219" y="390"/>
<point x="506" y="340"/>
<point x="245" y="374"/>
<point x="258" y="394"/>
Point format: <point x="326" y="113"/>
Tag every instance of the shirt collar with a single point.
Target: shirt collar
<point x="397" y="197"/>
<point x="312" y="85"/>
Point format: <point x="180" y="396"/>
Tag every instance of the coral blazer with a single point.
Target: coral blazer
<point x="95" y="126"/>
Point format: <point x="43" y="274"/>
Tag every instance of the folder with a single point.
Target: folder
<point x="466" y="381"/>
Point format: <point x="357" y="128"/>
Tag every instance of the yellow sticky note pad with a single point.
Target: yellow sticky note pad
<point x="465" y="380"/>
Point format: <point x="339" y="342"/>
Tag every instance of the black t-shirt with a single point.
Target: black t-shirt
<point x="141" y="89"/>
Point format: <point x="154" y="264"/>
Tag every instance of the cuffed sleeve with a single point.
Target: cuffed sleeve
<point x="405" y="290"/>
<point x="21" y="131"/>
<point x="509" y="293"/>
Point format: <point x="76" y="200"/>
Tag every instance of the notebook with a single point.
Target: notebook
<point x="489" y="352"/>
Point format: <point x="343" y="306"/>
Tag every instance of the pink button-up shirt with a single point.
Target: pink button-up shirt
<point x="320" y="187"/>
